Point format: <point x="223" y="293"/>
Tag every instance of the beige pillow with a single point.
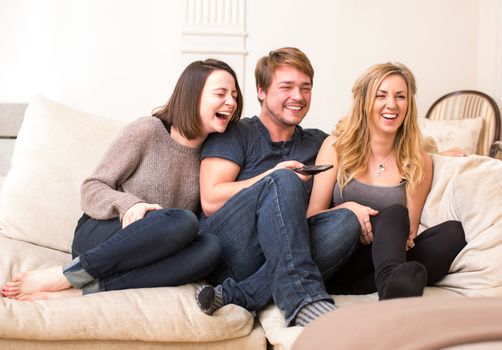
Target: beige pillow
<point x="463" y="133"/>
<point x="57" y="147"/>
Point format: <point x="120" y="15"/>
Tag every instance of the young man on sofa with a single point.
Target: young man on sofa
<point x="255" y="202"/>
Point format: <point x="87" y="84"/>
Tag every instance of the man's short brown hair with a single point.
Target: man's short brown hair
<point x="267" y="65"/>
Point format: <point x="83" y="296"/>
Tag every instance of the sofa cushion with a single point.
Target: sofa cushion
<point x="168" y="314"/>
<point x="448" y="134"/>
<point x="468" y="189"/>
<point x="57" y="147"/>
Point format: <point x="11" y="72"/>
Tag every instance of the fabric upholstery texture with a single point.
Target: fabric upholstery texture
<point x="465" y="106"/>
<point x="468" y="189"/>
<point x="167" y="314"/>
<point x="57" y="147"/>
<point x="448" y="134"/>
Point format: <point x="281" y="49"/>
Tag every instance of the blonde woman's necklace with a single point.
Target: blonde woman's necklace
<point x="382" y="166"/>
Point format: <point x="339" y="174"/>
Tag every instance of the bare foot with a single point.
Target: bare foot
<point x="26" y="283"/>
<point x="66" y="293"/>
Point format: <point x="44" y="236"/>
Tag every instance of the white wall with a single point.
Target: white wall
<point x="121" y="58"/>
<point x="110" y="57"/>
<point x="436" y="39"/>
<point x="490" y="49"/>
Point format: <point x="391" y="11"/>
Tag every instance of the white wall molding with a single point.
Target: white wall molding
<point x="209" y="33"/>
<point x="216" y="12"/>
<point x="214" y="51"/>
<point x="217" y="29"/>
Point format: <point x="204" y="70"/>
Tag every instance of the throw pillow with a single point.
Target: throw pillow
<point x="448" y="134"/>
<point x="56" y="149"/>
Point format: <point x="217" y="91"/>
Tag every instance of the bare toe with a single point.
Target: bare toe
<point x="10" y="292"/>
<point x="11" y="289"/>
<point x="13" y="284"/>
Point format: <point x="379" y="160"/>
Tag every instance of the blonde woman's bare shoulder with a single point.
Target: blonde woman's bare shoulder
<point x="427" y="158"/>
<point x="327" y="152"/>
<point x="330" y="140"/>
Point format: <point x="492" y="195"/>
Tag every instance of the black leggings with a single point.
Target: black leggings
<point x="370" y="265"/>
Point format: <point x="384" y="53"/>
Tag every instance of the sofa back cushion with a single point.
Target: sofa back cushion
<point x="56" y="149"/>
<point x="467" y="189"/>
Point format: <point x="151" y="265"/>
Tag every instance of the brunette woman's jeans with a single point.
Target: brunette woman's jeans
<point x="162" y="249"/>
<point x="270" y="251"/>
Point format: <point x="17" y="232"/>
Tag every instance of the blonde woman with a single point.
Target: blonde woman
<point x="381" y="174"/>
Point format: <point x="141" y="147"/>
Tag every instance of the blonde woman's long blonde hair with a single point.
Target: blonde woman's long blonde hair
<point x="353" y="133"/>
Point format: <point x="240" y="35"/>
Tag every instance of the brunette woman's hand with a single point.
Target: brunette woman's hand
<point x="363" y="214"/>
<point x="137" y="212"/>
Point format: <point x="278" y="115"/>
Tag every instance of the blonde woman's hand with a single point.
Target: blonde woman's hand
<point x="363" y="214"/>
<point x="137" y="212"/>
<point x="410" y="243"/>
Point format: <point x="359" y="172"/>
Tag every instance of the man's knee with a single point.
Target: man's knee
<point x="286" y="180"/>
<point x="335" y="236"/>
<point x="335" y="225"/>
<point x="349" y="223"/>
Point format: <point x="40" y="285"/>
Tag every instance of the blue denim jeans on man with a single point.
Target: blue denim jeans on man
<point x="269" y="251"/>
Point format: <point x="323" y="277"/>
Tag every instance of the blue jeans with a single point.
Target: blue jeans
<point x="266" y="245"/>
<point x="162" y="249"/>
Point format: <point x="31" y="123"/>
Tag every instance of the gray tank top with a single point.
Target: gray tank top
<point x="376" y="197"/>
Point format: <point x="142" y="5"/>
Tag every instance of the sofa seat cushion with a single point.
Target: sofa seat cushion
<point x="282" y="337"/>
<point x="168" y="314"/>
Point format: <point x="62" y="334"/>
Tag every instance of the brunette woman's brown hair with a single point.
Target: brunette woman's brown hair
<point x="182" y="108"/>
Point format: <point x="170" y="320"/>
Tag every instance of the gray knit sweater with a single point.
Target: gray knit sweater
<point x="143" y="164"/>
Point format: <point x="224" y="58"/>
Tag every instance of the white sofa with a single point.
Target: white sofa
<point x="57" y="147"/>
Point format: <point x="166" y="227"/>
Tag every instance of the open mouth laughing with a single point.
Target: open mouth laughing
<point x="389" y="116"/>
<point x="223" y="115"/>
<point x="294" y="108"/>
